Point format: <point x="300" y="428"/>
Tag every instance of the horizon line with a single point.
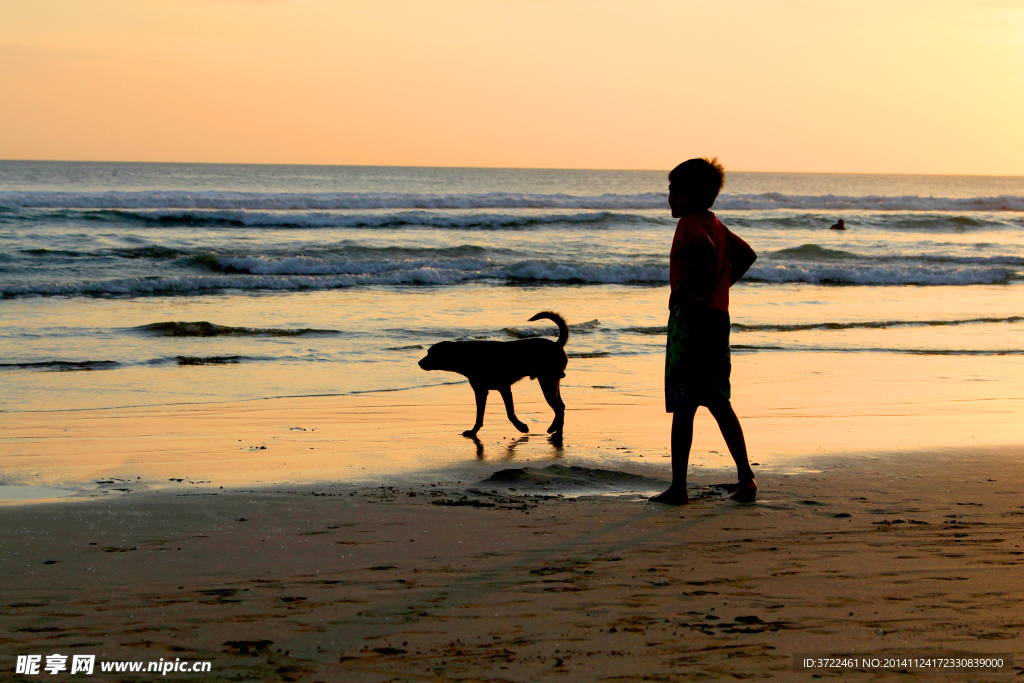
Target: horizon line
<point x="490" y="168"/>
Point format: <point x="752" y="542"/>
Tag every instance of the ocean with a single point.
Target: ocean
<point x="130" y="284"/>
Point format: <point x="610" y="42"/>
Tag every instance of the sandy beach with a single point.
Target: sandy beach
<point x="234" y="237"/>
<point x="426" y="566"/>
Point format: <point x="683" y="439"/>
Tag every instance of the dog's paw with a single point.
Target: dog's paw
<point x="470" y="432"/>
<point x="555" y="428"/>
<point x="522" y="427"/>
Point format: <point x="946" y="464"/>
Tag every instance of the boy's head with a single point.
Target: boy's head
<point x="693" y="185"/>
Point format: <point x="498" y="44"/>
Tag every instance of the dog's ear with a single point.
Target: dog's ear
<point x="438" y="348"/>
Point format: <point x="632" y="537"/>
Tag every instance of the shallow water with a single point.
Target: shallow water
<point x="26" y="493"/>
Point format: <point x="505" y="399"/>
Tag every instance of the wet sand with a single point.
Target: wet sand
<point x="791" y="406"/>
<point x="475" y="581"/>
<point x="441" y="575"/>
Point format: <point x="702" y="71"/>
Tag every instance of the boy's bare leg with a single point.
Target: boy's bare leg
<point x="733" y="433"/>
<point x="682" y="437"/>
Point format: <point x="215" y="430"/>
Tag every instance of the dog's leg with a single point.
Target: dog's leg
<point x="506" y="394"/>
<point x="481" y="403"/>
<point x="553" y="395"/>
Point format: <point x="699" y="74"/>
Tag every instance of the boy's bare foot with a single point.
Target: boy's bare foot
<point x="746" y="492"/>
<point x="674" y="496"/>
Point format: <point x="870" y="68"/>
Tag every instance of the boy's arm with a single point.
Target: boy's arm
<point x="696" y="256"/>
<point x="741" y="257"/>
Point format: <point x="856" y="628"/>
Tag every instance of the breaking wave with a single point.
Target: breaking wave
<point x="882" y="324"/>
<point x="870" y="324"/>
<point x="877" y="274"/>
<point x="62" y="365"/>
<point x="300" y="265"/>
<point x="203" y="328"/>
<point x="814" y="252"/>
<point x="298" y="273"/>
<point x="209" y="360"/>
<point x="328" y="201"/>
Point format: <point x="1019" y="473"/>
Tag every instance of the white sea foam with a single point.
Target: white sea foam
<point x="326" y="201"/>
<point x="877" y="274"/>
<point x="458" y="269"/>
<point x="201" y="283"/>
<point x="814" y="252"/>
<point x="299" y="265"/>
<point x="299" y="273"/>
<point x="590" y="273"/>
<point x="472" y="268"/>
<point x="831" y="202"/>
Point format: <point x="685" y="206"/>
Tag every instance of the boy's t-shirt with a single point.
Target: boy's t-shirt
<point x="711" y="288"/>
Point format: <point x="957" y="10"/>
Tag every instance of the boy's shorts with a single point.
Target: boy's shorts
<point x="697" y="359"/>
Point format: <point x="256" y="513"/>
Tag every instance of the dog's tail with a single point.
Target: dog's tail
<point x="563" y="329"/>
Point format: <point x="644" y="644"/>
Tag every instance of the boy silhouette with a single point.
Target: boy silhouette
<point x="706" y="259"/>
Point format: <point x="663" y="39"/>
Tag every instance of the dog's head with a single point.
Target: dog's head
<point x="440" y="356"/>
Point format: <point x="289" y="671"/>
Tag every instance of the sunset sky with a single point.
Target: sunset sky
<point x="901" y="86"/>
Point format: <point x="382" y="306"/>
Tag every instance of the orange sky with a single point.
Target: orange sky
<point x="900" y="86"/>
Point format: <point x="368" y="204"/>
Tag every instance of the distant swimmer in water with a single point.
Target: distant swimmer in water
<point x="839" y="226"/>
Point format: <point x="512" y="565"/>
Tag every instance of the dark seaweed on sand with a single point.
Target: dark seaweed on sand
<point x="572" y="477"/>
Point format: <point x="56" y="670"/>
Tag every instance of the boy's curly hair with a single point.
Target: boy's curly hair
<point x="703" y="178"/>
